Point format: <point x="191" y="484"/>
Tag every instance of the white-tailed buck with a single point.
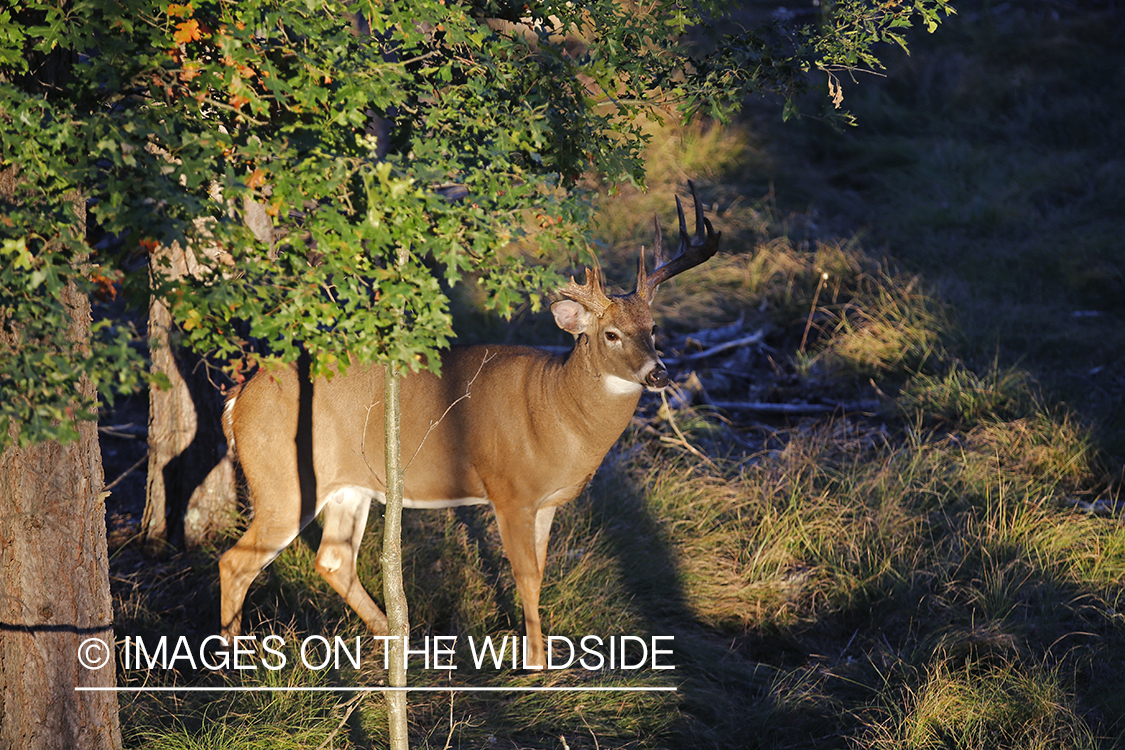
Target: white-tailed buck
<point x="516" y="427"/>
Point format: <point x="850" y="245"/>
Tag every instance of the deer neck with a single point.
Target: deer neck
<point x="592" y="400"/>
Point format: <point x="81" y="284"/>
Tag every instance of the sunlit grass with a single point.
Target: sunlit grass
<point x="960" y="397"/>
<point x="999" y="707"/>
<point x="254" y="720"/>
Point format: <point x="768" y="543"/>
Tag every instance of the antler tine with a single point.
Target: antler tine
<point x="691" y="251"/>
<point x="660" y="258"/>
<point x="642" y="274"/>
<point x="590" y="295"/>
<point x="642" y="287"/>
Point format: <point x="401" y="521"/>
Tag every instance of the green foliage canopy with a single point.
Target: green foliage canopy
<point x="169" y="118"/>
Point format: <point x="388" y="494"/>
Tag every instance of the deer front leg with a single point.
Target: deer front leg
<point x="517" y="531"/>
<point x="543" y="519"/>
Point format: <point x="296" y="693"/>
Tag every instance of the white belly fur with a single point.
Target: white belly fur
<point x="339" y="494"/>
<point x="349" y="492"/>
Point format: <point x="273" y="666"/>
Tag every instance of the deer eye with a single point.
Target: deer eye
<point x="612" y="337"/>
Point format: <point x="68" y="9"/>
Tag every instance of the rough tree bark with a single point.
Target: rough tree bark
<point x="191" y="490"/>
<point x="55" y="569"/>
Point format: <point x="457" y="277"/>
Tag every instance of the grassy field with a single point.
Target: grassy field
<point x="941" y="568"/>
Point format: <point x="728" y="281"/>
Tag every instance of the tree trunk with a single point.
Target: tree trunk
<point x="55" y="569"/>
<point x="191" y="491"/>
<point x="394" y="594"/>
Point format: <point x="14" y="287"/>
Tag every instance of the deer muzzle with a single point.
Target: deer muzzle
<point x="657" y="377"/>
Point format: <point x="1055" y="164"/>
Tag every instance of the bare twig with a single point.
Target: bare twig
<point x="454" y="726"/>
<point x="363" y="442"/>
<point x="124" y="431"/>
<point x="449" y="737"/>
<point x="433" y="424"/>
<point x="816" y="298"/>
<point x="591" y="730"/>
<point x="126" y="473"/>
<point x="352" y="705"/>
<point x="683" y="441"/>
<point x="419" y="58"/>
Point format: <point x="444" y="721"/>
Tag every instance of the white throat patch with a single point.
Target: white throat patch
<point x="620" y="386"/>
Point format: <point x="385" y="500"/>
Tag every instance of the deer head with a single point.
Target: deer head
<point x="619" y="329"/>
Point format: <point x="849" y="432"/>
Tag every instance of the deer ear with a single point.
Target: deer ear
<point x="571" y="316"/>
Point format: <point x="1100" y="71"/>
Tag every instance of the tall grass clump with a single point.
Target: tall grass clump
<point x="898" y="329"/>
<point x="989" y="161"/>
<point x="807" y="530"/>
<point x="959" y="397"/>
<point x="244" y="721"/>
<point x="926" y="555"/>
<point x="840" y="310"/>
<point x="1000" y="708"/>
<point x="861" y="317"/>
<point x="701" y="151"/>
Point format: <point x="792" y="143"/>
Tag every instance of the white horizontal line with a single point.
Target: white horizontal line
<point x="262" y="689"/>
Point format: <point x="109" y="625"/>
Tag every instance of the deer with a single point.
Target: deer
<point x="519" y="428"/>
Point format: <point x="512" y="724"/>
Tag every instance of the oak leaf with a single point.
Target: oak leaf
<point x="188" y="31"/>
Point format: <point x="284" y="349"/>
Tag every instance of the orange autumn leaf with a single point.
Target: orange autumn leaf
<point x="106" y="286"/>
<point x="256" y="179"/>
<point x="190" y="70"/>
<point x="180" y="11"/>
<point x="188" y="31"/>
<point x="237" y="100"/>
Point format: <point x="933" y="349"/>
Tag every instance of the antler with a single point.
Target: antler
<point x="689" y="254"/>
<point x="590" y="295"/>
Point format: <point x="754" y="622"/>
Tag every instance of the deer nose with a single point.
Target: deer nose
<point x="657" y="377"/>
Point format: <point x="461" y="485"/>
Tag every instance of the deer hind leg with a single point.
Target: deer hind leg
<point x="240" y="565"/>
<point x="344" y="518"/>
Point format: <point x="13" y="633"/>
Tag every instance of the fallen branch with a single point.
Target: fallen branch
<point x="710" y="335"/>
<point x="796" y="409"/>
<point x="754" y="338"/>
